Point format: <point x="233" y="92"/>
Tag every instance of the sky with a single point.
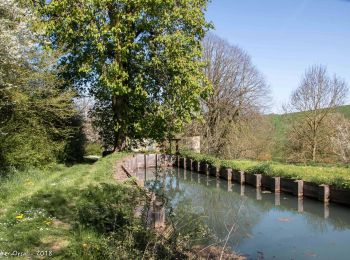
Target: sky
<point x="285" y="37"/>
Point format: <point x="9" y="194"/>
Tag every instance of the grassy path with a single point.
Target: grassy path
<point x="38" y="210"/>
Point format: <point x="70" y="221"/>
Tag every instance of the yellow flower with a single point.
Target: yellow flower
<point x="48" y="222"/>
<point x="20" y="216"/>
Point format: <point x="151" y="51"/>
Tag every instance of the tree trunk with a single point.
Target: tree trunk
<point x="314" y="149"/>
<point x="118" y="105"/>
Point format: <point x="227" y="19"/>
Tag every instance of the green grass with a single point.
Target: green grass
<point x="39" y="209"/>
<point x="80" y="212"/>
<point x="332" y="175"/>
<point x="345" y="110"/>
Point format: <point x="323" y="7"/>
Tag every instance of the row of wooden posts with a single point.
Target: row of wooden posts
<point x="259" y="194"/>
<point x="299" y="188"/>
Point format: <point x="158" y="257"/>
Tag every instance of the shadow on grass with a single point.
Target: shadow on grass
<point x="100" y="210"/>
<point x="57" y="203"/>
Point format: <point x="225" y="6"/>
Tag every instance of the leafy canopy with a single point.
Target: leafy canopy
<point x="140" y="59"/>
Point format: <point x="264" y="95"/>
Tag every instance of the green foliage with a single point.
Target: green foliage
<point x="344" y="110"/>
<point x="93" y="149"/>
<point x="36" y="108"/>
<point x="39" y="128"/>
<point x="141" y="60"/>
<point x="263" y="168"/>
<point x="201" y="157"/>
<point x="74" y="149"/>
<point x="107" y="208"/>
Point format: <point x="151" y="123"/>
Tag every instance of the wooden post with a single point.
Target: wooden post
<point x="242" y="177"/>
<point x="258" y="180"/>
<point x="229" y="186"/>
<point x="242" y="189"/>
<point x="207" y="169"/>
<point x="258" y="193"/>
<point x="227" y="173"/>
<point x="323" y="193"/>
<point x="277" y="199"/>
<point x="326" y="210"/>
<point x="300" y="188"/>
<point x="300" y="204"/>
<point x="277" y="184"/>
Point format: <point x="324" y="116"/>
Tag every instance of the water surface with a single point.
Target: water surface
<point x="253" y="222"/>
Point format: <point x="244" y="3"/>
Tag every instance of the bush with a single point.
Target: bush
<point x="107" y="208"/>
<point x="263" y="168"/>
<point x="93" y="149"/>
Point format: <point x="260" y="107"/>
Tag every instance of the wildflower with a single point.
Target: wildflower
<point x="20" y="216"/>
<point x="48" y="222"/>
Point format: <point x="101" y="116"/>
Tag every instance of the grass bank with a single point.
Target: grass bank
<point x="338" y="176"/>
<point x="77" y="212"/>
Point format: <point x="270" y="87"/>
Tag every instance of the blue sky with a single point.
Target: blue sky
<point x="285" y="37"/>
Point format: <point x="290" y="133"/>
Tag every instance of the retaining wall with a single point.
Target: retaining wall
<point x="299" y="188"/>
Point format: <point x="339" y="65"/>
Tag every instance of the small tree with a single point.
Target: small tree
<point x="313" y="101"/>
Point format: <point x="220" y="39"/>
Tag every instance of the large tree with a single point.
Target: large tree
<point x="139" y="59"/>
<point x="232" y="111"/>
<point x="314" y="102"/>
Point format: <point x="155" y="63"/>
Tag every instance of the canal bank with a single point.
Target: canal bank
<point x="300" y="188"/>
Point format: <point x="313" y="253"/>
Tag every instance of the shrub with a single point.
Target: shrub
<point x="107" y="208"/>
<point x="263" y="168"/>
<point x="93" y="149"/>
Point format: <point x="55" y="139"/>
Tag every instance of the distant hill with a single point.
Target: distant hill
<point x="281" y="123"/>
<point x="345" y="110"/>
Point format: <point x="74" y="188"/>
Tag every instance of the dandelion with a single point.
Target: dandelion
<point x="20" y="216"/>
<point x="48" y="222"/>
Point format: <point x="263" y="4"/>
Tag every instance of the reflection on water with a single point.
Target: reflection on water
<point x="257" y="223"/>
